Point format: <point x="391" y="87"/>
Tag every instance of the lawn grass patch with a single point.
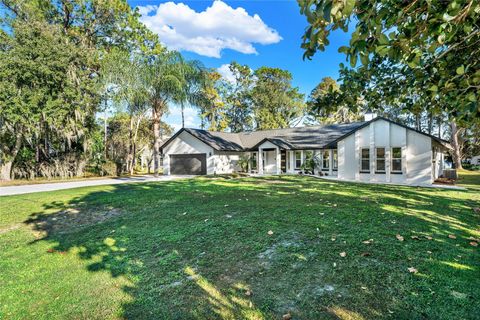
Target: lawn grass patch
<point x="201" y="248"/>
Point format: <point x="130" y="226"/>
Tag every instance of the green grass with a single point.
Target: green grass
<point x="201" y="249"/>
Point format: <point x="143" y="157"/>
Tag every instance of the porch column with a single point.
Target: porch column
<point x="249" y="167"/>
<point x="330" y="162"/>
<point x="278" y="160"/>
<point x="260" y="161"/>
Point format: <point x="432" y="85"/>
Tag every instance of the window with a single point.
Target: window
<point x="365" y="153"/>
<point x="335" y="160"/>
<point x="380" y="160"/>
<point x="254" y="161"/>
<point x="396" y="159"/>
<point x="325" y="159"/>
<point x="298" y="159"/>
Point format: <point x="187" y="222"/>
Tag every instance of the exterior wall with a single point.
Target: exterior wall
<point x="347" y="159"/>
<point x="226" y="162"/>
<point x="419" y="158"/>
<point x="416" y="154"/>
<point x="183" y="144"/>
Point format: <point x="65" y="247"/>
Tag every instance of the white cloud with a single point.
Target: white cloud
<point x="208" y="32"/>
<point x="174" y="118"/>
<point x="226" y="73"/>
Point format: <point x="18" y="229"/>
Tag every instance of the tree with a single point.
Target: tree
<point x="194" y="77"/>
<point x="432" y="45"/>
<point x="327" y="104"/>
<point x="165" y="84"/>
<point x="276" y="104"/>
<point x="212" y="105"/>
<point x="50" y="70"/>
<point x="238" y="98"/>
<point x="44" y="79"/>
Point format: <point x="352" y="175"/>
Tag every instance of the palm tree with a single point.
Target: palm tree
<point x="165" y="84"/>
<point x="194" y="76"/>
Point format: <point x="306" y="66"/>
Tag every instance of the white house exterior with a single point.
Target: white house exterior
<point x="378" y="150"/>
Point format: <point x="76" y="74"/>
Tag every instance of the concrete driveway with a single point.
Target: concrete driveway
<point x="12" y="190"/>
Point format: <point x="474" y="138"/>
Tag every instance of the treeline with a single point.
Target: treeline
<point x="415" y="60"/>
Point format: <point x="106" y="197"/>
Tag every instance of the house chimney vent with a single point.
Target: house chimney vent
<point x="369" y="115"/>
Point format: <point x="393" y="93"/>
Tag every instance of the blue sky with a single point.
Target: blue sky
<point x="217" y="34"/>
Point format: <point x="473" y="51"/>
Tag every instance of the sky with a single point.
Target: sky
<point x="252" y="32"/>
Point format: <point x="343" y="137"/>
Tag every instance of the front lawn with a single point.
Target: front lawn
<point x="246" y="248"/>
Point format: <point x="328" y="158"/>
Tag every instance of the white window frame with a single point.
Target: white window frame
<point x="384" y="159"/>
<point x="335" y="159"/>
<point x="296" y="159"/>
<point x="325" y="152"/>
<point x="393" y="158"/>
<point x="364" y="159"/>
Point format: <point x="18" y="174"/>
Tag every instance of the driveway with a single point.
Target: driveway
<point x="12" y="190"/>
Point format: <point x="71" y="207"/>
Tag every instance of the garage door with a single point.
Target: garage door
<point x="188" y="163"/>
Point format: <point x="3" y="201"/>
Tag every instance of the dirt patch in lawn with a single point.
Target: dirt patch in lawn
<point x="69" y="220"/>
<point x="9" y="228"/>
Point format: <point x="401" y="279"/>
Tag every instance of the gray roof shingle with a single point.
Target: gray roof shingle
<point x="311" y="137"/>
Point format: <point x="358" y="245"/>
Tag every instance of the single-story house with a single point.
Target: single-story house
<point x="378" y="150"/>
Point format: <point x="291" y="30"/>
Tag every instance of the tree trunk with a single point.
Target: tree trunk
<point x="156" y="137"/>
<point x="430" y="122"/>
<point x="183" y="115"/>
<point x="134" y="141"/>
<point x="439" y="120"/>
<point x="7" y="166"/>
<point x="6" y="171"/>
<point x="130" y="147"/>
<point x="105" y="131"/>
<point x="456" y="145"/>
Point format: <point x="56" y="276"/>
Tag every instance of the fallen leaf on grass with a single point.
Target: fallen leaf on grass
<point x="399" y="237"/>
<point x="476" y="209"/>
<point x="365" y="254"/>
<point x="287" y="316"/>
<point x="270" y="232"/>
<point x="412" y="270"/>
<point x="343" y="254"/>
<point x="473" y="243"/>
<point x="248" y="293"/>
<point x="459" y="295"/>
<point x="415" y="237"/>
<point x="452" y="236"/>
<point x="51" y="250"/>
<point x="428" y="238"/>
<point x="369" y="241"/>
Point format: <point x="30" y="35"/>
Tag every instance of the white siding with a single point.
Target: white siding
<point x="347" y="158"/>
<point x="185" y="143"/>
<point x="226" y="162"/>
<point x="419" y="158"/>
<point x="416" y="154"/>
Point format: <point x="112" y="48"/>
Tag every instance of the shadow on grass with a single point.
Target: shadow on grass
<point x="200" y="248"/>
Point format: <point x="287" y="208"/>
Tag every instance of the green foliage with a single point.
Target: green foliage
<point x="53" y="74"/>
<point x="434" y="43"/>
<point x="238" y="98"/>
<point x="243" y="163"/>
<point x="328" y="104"/>
<point x="276" y="103"/>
